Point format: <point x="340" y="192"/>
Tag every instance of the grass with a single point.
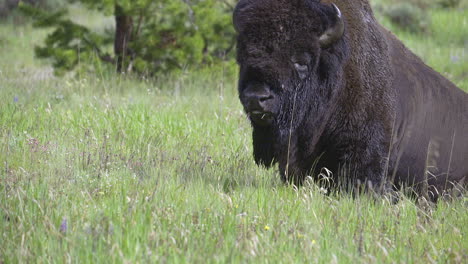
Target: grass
<point x="444" y="44"/>
<point x="105" y="168"/>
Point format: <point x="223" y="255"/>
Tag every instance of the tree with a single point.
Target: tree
<point x="150" y="36"/>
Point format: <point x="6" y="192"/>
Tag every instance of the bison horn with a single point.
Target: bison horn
<point x="334" y="33"/>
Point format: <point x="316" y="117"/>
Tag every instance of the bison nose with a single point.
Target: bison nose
<point x="256" y="100"/>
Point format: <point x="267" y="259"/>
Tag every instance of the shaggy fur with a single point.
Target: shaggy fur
<point x="367" y="109"/>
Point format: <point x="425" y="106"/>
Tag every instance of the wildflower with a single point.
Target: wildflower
<point x="313" y="242"/>
<point x="266" y="228"/>
<point x="64" y="226"/>
<point x="15" y="99"/>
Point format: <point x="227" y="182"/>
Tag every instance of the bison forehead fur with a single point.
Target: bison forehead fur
<point x="325" y="86"/>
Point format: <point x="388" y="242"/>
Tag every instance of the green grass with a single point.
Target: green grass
<point x="104" y="168"/>
<point x="444" y="44"/>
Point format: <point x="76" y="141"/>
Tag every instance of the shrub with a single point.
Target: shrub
<point x="408" y="17"/>
<point x="449" y="3"/>
<point x="150" y="36"/>
<point x="8" y="7"/>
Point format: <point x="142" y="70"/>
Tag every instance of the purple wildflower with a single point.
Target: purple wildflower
<point x="64" y="226"/>
<point x="15" y="99"/>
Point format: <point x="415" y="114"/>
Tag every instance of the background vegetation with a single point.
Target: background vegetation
<point x="147" y="36"/>
<point x="97" y="166"/>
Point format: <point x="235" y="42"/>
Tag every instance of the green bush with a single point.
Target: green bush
<point x="408" y="17"/>
<point x="150" y="36"/>
<point x="449" y="3"/>
<point x="8" y="7"/>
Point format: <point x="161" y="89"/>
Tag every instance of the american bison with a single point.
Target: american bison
<point x="326" y="86"/>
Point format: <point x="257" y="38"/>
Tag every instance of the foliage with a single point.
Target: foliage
<point x="408" y="16"/>
<point x="69" y="43"/>
<point x="162" y="36"/>
<point x="449" y="3"/>
<point x="8" y="7"/>
<point x="177" y="34"/>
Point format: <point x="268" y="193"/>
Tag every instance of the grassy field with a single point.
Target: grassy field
<point x="104" y="168"/>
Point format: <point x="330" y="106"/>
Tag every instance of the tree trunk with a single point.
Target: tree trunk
<point x="123" y="36"/>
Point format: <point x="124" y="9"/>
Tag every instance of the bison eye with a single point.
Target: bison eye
<point x="302" y="70"/>
<point x="300" y="67"/>
<point x="301" y="63"/>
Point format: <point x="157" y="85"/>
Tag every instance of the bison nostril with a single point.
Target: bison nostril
<point x="262" y="99"/>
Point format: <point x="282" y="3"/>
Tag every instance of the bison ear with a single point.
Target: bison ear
<point x="237" y="17"/>
<point x="263" y="146"/>
<point x="335" y="32"/>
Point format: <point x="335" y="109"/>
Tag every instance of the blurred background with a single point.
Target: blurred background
<point x="148" y="38"/>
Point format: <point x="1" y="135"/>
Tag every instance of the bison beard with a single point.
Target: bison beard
<point x="333" y="90"/>
<point x="294" y="141"/>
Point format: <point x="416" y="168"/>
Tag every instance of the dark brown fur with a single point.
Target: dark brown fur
<point x="370" y="109"/>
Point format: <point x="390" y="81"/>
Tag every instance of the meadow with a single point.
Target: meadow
<point x="100" y="167"/>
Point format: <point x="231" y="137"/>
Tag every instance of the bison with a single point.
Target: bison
<point x="326" y="86"/>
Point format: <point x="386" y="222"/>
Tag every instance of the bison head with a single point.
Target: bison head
<point x="290" y="54"/>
